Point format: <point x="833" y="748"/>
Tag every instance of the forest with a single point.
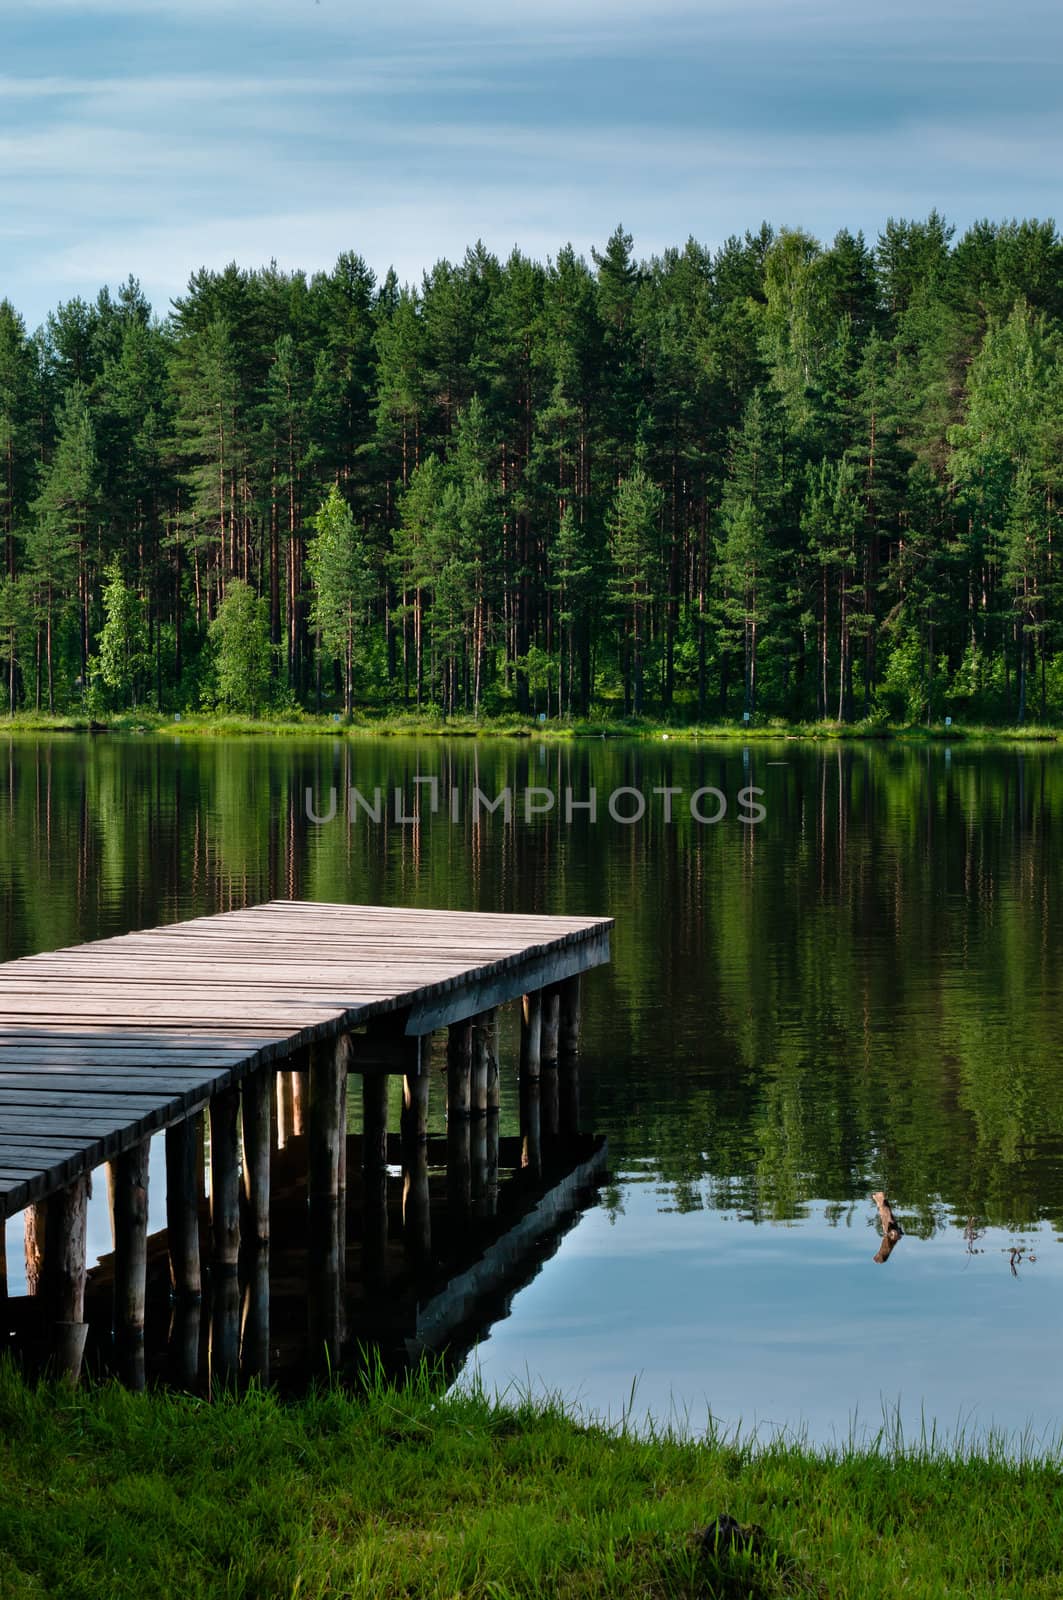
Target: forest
<point x="772" y="480"/>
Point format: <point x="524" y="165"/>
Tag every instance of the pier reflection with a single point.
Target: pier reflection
<point x="423" y="1249"/>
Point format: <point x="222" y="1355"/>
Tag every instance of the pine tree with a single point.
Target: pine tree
<point x="341" y="579"/>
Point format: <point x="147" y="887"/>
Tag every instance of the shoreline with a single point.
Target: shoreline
<point x="409" y="725"/>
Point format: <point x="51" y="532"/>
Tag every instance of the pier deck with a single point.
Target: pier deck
<point x="103" y="1044"/>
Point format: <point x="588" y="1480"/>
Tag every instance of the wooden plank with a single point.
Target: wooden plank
<point x="100" y="1044"/>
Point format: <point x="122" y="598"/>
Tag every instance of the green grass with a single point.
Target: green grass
<point x="430" y="724"/>
<point x="406" y="1493"/>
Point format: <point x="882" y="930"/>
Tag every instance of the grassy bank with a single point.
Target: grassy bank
<point x="407" y="1494"/>
<point x="412" y="724"/>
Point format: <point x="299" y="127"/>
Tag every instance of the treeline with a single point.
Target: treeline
<point x="775" y="478"/>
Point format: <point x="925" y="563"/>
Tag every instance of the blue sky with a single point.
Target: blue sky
<point x="154" y="136"/>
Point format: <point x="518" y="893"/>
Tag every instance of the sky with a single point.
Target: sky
<point x="152" y="137"/>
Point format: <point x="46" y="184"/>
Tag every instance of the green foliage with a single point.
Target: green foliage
<point x="243" y="655"/>
<point x="724" y="476"/>
<point x="341" y="579"/>
<point x="123" y="640"/>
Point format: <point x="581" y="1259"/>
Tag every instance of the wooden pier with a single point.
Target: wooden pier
<point x="251" y="1021"/>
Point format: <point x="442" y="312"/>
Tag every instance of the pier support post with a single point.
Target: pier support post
<point x="254" y="1325"/>
<point x="478" y="1159"/>
<point x="459" y="1168"/>
<point x="129" y="1187"/>
<point x="284" y="1108"/>
<point x="550" y="1087"/>
<point x="298" y="1105"/>
<point x="326" y="1173"/>
<point x="531" y="1024"/>
<point x="186" y="1321"/>
<point x="256" y="1118"/>
<point x="184" y="1158"/>
<point x="531" y="1154"/>
<point x="225" y="1178"/>
<point x="34" y="1223"/>
<point x="484" y="1061"/>
<point x="224" y="1345"/>
<point x="459" y="1069"/>
<point x="570" y="1016"/>
<point x="64" y="1274"/>
<point x="551" y="1025"/>
<point x="416" y="1210"/>
<point x="415" y="1091"/>
<point x="374" y="1172"/>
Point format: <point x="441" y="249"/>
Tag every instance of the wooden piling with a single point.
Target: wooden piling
<point x="225" y="1178"/>
<point x="186" y="1326"/>
<point x="299" y="1091"/>
<point x="184" y="1160"/>
<point x="256" y="1108"/>
<point x="129" y="1188"/>
<point x="570" y="1016"/>
<point x="374" y="1121"/>
<point x="254" y="1321"/>
<point x="63" y="1284"/>
<point x="531" y="1156"/>
<point x="326" y="1170"/>
<point x="415" y="1092"/>
<point x="550" y="1087"/>
<point x="531" y="1025"/>
<point x="284" y="1109"/>
<point x="459" y="1167"/>
<point x="223" y="1349"/>
<point x="478" y="1160"/>
<point x="34" y="1224"/>
<point x="483" y="1059"/>
<point x="551" y="1024"/>
<point x="416" y="1211"/>
<point x="459" y="1068"/>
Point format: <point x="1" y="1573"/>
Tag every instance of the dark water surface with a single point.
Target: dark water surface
<point x="862" y="991"/>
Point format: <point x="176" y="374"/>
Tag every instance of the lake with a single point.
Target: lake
<point x="859" y="991"/>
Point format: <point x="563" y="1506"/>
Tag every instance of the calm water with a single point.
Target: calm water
<point x="861" y="991"/>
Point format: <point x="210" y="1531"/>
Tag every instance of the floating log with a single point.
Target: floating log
<point x="225" y="1178"/>
<point x="891" y="1228"/>
<point x="184" y="1174"/>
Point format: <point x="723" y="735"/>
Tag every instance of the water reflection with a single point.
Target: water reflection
<point x="859" y="994"/>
